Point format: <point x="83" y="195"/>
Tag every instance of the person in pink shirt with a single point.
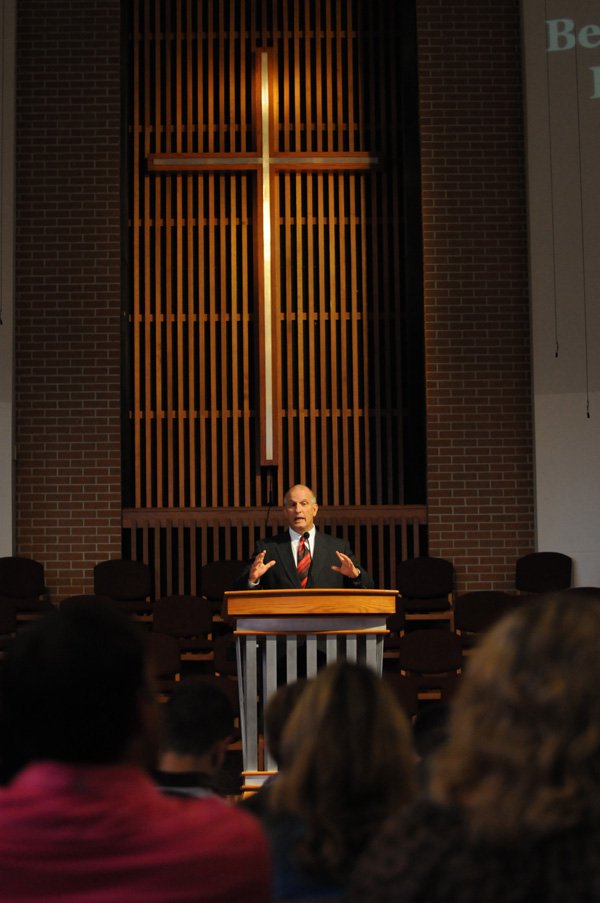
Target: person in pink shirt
<point x="80" y="819"/>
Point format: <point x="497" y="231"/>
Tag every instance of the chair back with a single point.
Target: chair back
<point x="218" y="577"/>
<point x="123" y="580"/>
<point x="183" y="616"/>
<point x="434" y="659"/>
<point x="21" y="578"/>
<point x="165" y="661"/>
<point x="424" y="578"/>
<point x="543" y="572"/>
<point x="475" y="611"/>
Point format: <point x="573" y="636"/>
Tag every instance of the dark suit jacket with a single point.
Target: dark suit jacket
<point x="283" y="574"/>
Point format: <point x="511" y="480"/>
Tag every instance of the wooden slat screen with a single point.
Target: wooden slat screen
<point x="178" y="542"/>
<point x="192" y="436"/>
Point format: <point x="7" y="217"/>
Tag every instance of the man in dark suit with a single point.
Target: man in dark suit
<point x="332" y="564"/>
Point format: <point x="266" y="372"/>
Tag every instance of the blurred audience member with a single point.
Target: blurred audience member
<point x="277" y="712"/>
<point x="430" y="731"/>
<point x="81" y="820"/>
<point x="515" y="808"/>
<point x="197" y="729"/>
<point x="348" y="763"/>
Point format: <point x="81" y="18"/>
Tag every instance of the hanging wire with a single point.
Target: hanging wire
<point x="553" y="231"/>
<point x="582" y="227"/>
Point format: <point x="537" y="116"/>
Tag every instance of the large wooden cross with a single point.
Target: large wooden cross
<point x="267" y="163"/>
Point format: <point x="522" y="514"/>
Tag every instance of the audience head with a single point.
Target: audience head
<point x="197" y="716"/>
<point x="349" y="763"/>
<point x="74" y="687"/>
<point x="524" y="736"/>
<point x="278" y="709"/>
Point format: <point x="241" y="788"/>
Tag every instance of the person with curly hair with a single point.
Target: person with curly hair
<point x="348" y="764"/>
<point x="514" y="813"/>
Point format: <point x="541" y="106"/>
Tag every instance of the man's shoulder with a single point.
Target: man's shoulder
<point x="329" y="539"/>
<point x="278" y="539"/>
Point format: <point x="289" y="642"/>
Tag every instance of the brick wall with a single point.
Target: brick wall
<point x="68" y="290"/>
<point x="480" y="470"/>
<point x="68" y="262"/>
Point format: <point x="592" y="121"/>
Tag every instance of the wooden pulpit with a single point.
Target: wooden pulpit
<point x="284" y="634"/>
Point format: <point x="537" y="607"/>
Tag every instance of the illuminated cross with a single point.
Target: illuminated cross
<point x="266" y="163"/>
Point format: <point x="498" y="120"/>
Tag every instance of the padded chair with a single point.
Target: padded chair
<point x="8" y="623"/>
<point x="165" y="662"/>
<point x="426" y="587"/>
<point x="406" y="690"/>
<point x="129" y="583"/>
<point x="433" y="657"/>
<point x="225" y="656"/>
<point x="395" y="624"/>
<point x="22" y="583"/>
<point x="218" y="577"/>
<point x="474" y="612"/>
<point x="189" y="620"/>
<point x="543" y="572"/>
<point x="214" y="579"/>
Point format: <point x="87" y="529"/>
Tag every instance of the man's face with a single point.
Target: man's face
<point x="300" y="509"/>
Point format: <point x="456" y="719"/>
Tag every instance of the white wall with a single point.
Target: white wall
<point x="562" y="105"/>
<point x="7" y="270"/>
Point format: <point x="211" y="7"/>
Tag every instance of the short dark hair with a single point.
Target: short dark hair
<point x="196" y="716"/>
<point x="70" y="686"/>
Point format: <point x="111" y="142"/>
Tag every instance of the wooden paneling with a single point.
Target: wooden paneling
<point x="197" y="297"/>
<point x="177" y="542"/>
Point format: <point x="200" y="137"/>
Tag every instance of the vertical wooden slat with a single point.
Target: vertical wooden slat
<point x="338" y="81"/>
<point x="231" y="80"/>
<point x="155" y="463"/>
<point x="347" y="452"/>
<point x="190" y="231"/>
<point x="212" y="321"/>
<point x="222" y="447"/>
<point x="235" y="478"/>
<point x="319" y="124"/>
<point x="221" y="76"/>
<point x="314" y="478"/>
<point x="333" y="219"/>
<point x="191" y="345"/>
<point x="388" y="255"/>
<point x="136" y="257"/>
<point x="285" y="140"/>
<point x="303" y="328"/>
<point x="155" y="258"/>
<point x="202" y="339"/>
<point x="358" y="411"/>
<point x="182" y="419"/>
<point x="309" y="55"/>
<point x="366" y="455"/>
<point x="292" y="328"/>
<point x="242" y="142"/>
<point x="200" y="81"/>
<point x="209" y="88"/>
<point x="245" y="376"/>
<point x="352" y="125"/>
<point x="395" y="323"/>
<point x="323" y="350"/>
<point x="329" y="78"/>
<point x="299" y="78"/>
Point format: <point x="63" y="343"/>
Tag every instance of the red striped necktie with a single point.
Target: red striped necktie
<point x="303" y="562"/>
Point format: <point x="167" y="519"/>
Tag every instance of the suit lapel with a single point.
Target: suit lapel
<point x="287" y="561"/>
<point x="318" y="557"/>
